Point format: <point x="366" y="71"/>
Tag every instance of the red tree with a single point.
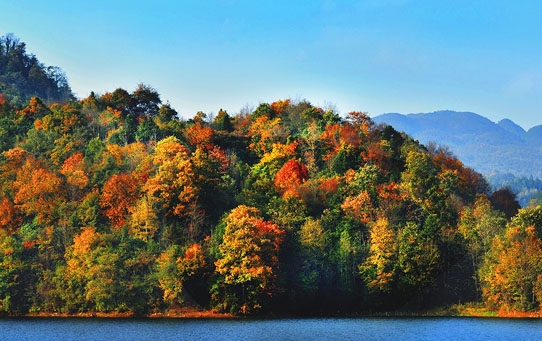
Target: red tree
<point x="289" y="177"/>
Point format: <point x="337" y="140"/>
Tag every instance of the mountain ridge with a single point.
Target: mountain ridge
<point x="488" y="147"/>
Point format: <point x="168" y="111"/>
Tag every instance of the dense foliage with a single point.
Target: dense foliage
<point x="113" y="204"/>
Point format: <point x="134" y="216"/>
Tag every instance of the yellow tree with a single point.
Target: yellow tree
<point x="144" y="222"/>
<point x="172" y="187"/>
<point x="511" y="276"/>
<point x="379" y="269"/>
<point x="264" y="132"/>
<point x="248" y="259"/>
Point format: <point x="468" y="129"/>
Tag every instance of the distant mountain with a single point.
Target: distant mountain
<point x="490" y="148"/>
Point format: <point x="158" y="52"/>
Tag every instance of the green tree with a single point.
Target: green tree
<point x="145" y="101"/>
<point x="478" y="225"/>
<point x="174" y="267"/>
<point x="418" y="260"/>
<point x="17" y="277"/>
<point x="223" y="121"/>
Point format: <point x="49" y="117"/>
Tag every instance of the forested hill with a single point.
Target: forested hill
<point x="488" y="147"/>
<point x="112" y="204"/>
<point x="23" y="76"/>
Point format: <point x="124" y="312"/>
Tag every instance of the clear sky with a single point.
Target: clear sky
<point x="375" y="56"/>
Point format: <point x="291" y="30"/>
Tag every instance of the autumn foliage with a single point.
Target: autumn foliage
<point x="113" y="203"/>
<point x="290" y="177"/>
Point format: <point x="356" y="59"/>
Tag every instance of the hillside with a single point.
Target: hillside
<point x="488" y="147"/>
<point x="112" y="204"/>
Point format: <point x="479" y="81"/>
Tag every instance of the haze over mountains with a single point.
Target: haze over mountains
<point x="488" y="147"/>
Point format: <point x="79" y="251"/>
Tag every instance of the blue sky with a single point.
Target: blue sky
<point x="383" y="56"/>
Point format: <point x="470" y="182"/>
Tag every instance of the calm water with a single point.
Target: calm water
<point x="366" y="329"/>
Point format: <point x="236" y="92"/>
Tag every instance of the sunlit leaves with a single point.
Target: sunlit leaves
<point x="38" y="191"/>
<point x="479" y="225"/>
<point x="74" y="170"/>
<point x="249" y="247"/>
<point x="511" y="277"/>
<point x="249" y="254"/>
<point x="118" y="196"/>
<point x="198" y="134"/>
<point x="265" y="131"/>
<point x="280" y="105"/>
<point x="379" y="269"/>
<point x="172" y="185"/>
<point x="328" y="212"/>
<point x="359" y="206"/>
<point x="290" y="177"/>
<point x="144" y="222"/>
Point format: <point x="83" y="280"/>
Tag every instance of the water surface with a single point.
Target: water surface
<point x="366" y="329"/>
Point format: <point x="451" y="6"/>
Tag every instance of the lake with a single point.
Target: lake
<point x="366" y="329"/>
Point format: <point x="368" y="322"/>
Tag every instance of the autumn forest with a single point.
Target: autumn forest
<point x="114" y="204"/>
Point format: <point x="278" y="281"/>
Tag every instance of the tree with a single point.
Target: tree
<point x="38" y="191"/>
<point x="175" y="267"/>
<point x="360" y="207"/>
<point x="144" y="222"/>
<point x="107" y="272"/>
<point x="341" y="139"/>
<point x="264" y="132"/>
<point x="529" y="216"/>
<point x="223" y="121"/>
<point x="505" y="200"/>
<point x="22" y="76"/>
<point x="147" y="131"/>
<point x="248" y="260"/>
<point x="199" y="134"/>
<point x="479" y="225"/>
<point x="379" y="269"/>
<point x="419" y="178"/>
<point x="418" y="259"/>
<point x="290" y="177"/>
<point x="74" y="170"/>
<point x="172" y="187"/>
<point x="16" y="275"/>
<point x="510" y="276"/>
<point x="145" y="101"/>
<point x="9" y="219"/>
<point x="118" y="196"/>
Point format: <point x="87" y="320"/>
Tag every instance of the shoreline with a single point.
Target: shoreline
<point x="210" y="314"/>
<point x="198" y="312"/>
